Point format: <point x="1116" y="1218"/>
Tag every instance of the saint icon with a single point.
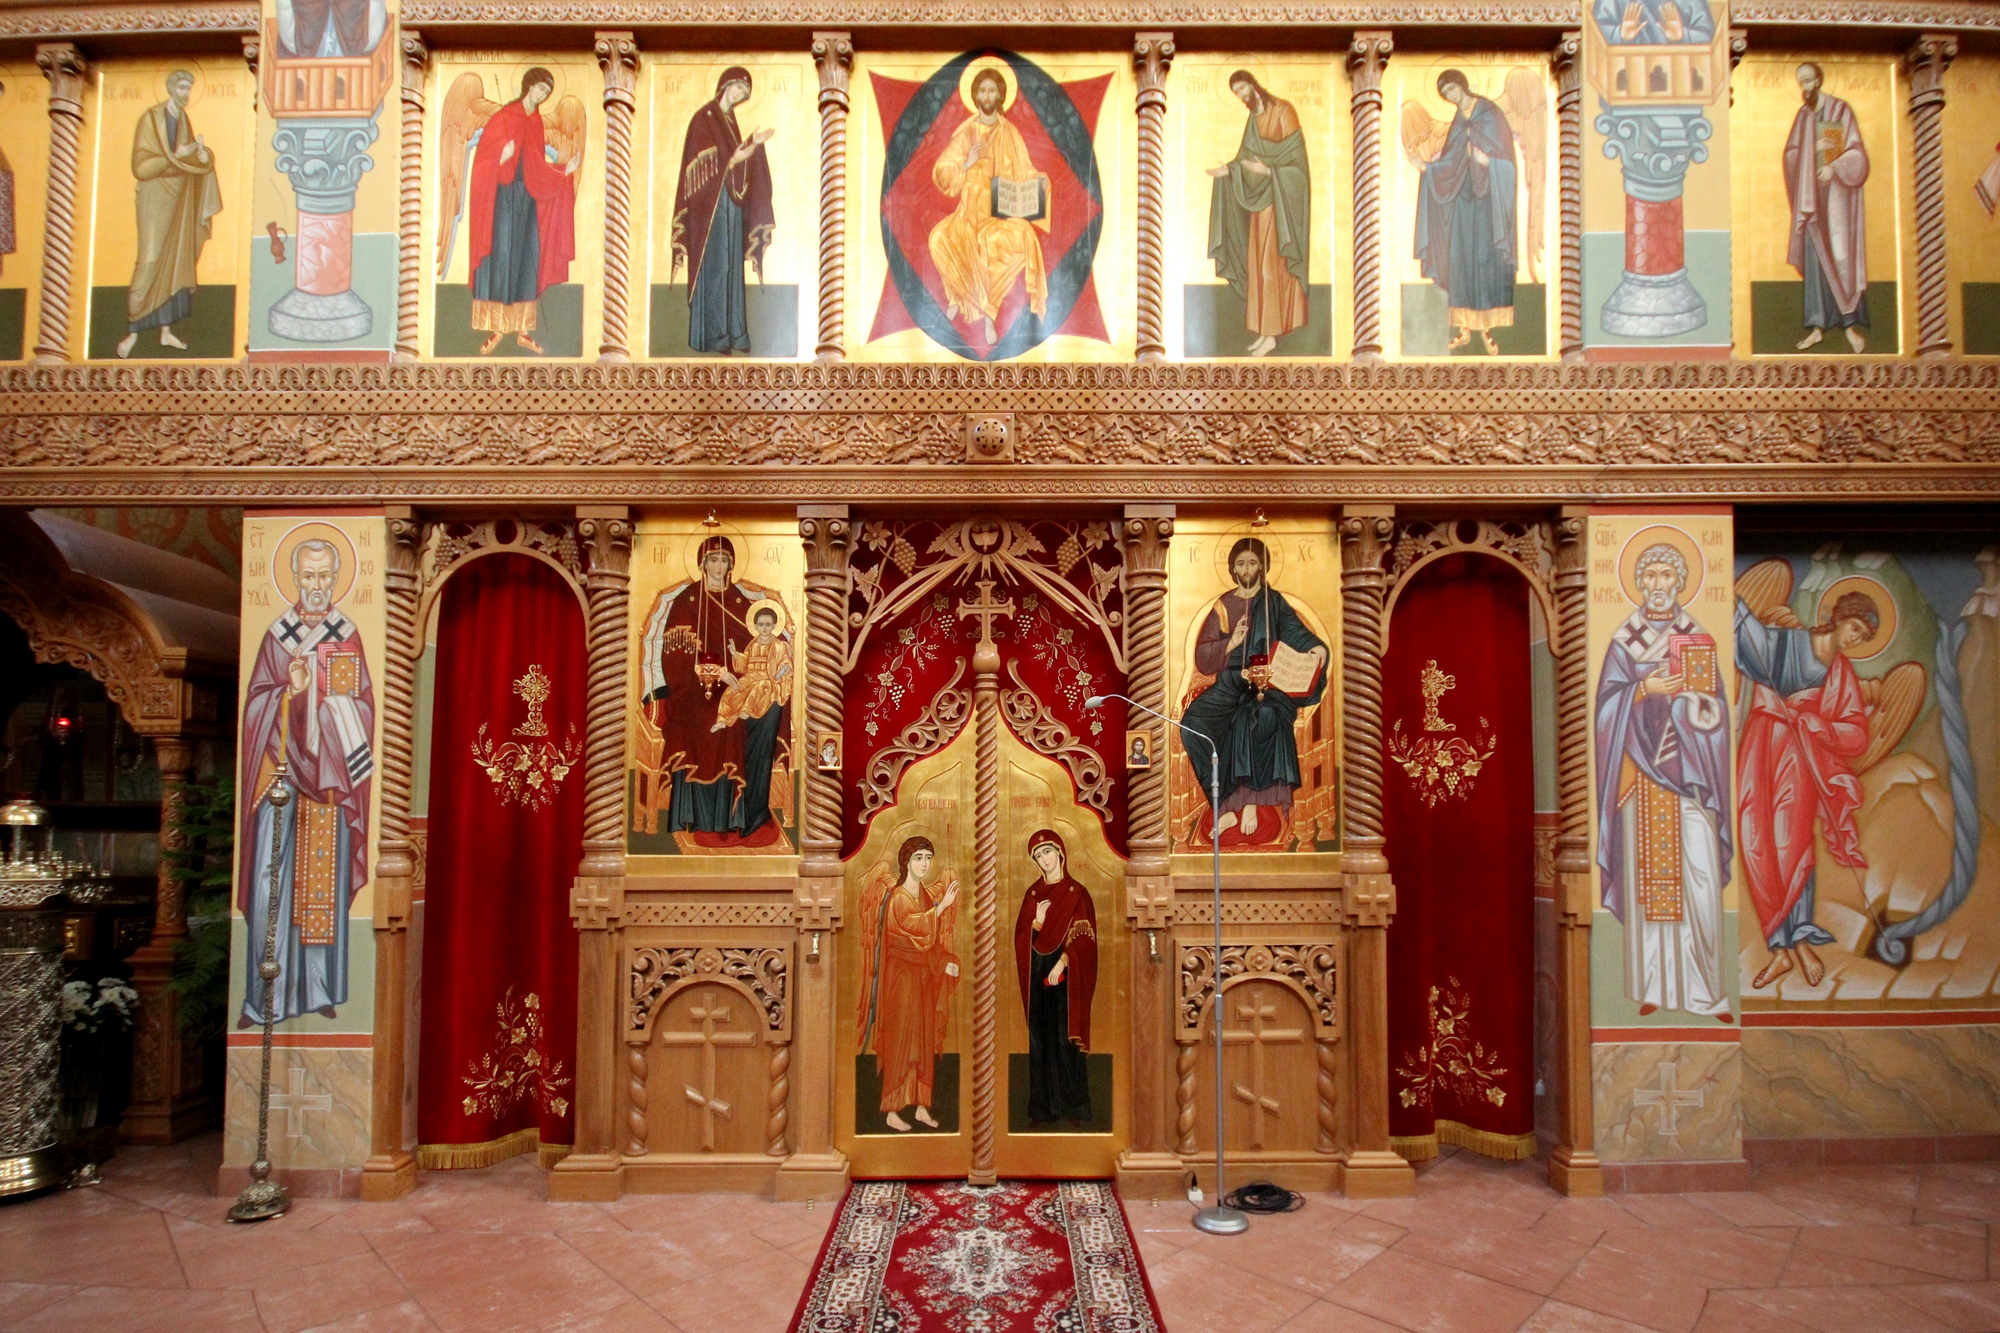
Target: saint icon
<point x="1055" y="958"/>
<point x="908" y="972"/>
<point x="988" y="243"/>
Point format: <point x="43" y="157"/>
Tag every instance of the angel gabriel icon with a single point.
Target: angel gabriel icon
<point x="523" y="160"/>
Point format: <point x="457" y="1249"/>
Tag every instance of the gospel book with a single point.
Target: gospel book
<point x="1692" y="657"/>
<point x="1027" y="200"/>
<point x="1292" y="671"/>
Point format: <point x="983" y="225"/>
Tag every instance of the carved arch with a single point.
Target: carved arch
<point x="1526" y="545"/>
<point x="447" y="546"/>
<point x="84" y="622"/>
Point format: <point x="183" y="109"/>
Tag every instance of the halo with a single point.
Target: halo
<point x="737" y="542"/>
<point x="1229" y="536"/>
<point x="317" y="530"/>
<point x="1659" y="533"/>
<point x="771" y="604"/>
<point x="168" y="67"/>
<point x="1007" y="81"/>
<point x="1885" y="605"/>
<point x="511" y="91"/>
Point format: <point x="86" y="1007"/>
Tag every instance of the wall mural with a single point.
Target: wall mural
<point x="997" y="185"/>
<point x="324" y="215"/>
<point x="1817" y="155"/>
<point x="167" y="241"/>
<point x="1254" y="141"/>
<point x="1656" y="178"/>
<point x="1471" y="211"/>
<point x="716" y="667"/>
<point x="735" y="147"/>
<point x="1870" y="710"/>
<point x="1253" y="661"/>
<point x="517" y="181"/>
<point x="1972" y="200"/>
<point x="24" y="176"/>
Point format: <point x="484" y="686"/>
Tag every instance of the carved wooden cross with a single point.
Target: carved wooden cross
<point x="1257" y="1037"/>
<point x="986" y="609"/>
<point x="708" y="1039"/>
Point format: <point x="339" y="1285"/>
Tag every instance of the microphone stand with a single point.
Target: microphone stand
<point x="1220" y="1220"/>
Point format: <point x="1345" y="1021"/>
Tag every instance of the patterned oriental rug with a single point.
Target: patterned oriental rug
<point x="1022" y="1256"/>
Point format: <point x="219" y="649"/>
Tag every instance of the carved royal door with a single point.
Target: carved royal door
<point x="983" y="1015"/>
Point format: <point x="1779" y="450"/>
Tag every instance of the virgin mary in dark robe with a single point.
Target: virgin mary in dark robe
<point x="1055" y="957"/>
<point x="722" y="217"/>
<point x="1465" y="214"/>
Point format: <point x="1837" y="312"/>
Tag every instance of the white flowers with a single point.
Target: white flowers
<point x="108" y="1006"/>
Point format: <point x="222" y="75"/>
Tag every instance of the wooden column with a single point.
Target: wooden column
<point x="833" y="52"/>
<point x="1568" y="59"/>
<point x="986" y="875"/>
<point x="816" y="1169"/>
<point x="410" y="202"/>
<point x="63" y="65"/>
<point x="168" y="1103"/>
<point x="1573" y="1165"/>
<point x="391" y="1169"/>
<point x="1373" y="1170"/>
<point x="1927" y="61"/>
<point x="594" y="1170"/>
<point x="1149" y="1167"/>
<point x="1152" y="54"/>
<point x="618" y="57"/>
<point x="1367" y="56"/>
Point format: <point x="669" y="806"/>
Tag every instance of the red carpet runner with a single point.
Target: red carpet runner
<point x="1023" y="1256"/>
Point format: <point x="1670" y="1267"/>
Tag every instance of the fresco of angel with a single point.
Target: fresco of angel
<point x="1472" y="171"/>
<point x="523" y="160"/>
<point x="1814" y="727"/>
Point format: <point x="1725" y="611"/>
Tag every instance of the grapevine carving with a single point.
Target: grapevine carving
<point x="1033" y="723"/>
<point x="761" y="970"/>
<point x="1308" y="969"/>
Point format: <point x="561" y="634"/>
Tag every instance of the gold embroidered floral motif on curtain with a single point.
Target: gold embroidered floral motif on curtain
<point x="518" y="1069"/>
<point x="1451" y="1061"/>
<point x="1438" y="767"/>
<point x="528" y="774"/>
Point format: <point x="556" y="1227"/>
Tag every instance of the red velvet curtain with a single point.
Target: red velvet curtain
<point x="498" y="1059"/>
<point x="1458" y="813"/>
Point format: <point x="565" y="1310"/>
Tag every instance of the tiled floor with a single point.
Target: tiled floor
<point x="1483" y="1248"/>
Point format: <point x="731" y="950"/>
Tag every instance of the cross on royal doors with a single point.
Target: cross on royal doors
<point x="1257" y="1037"/>
<point x="708" y="1017"/>
<point x="987" y="610"/>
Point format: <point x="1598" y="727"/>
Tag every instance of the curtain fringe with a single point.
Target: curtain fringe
<point x="472" y="1156"/>
<point x="1414" y="1147"/>
<point x="1487" y="1143"/>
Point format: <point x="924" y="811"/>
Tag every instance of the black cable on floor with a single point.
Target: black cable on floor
<point x="1261" y="1196"/>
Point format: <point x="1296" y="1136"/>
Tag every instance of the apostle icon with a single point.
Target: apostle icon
<point x="1466" y="224"/>
<point x="1055" y="959"/>
<point x="1826" y="164"/>
<point x="176" y="198"/>
<point x="522" y="161"/>
<point x="1260" y="216"/>
<point x="908" y="974"/>
<point x="1257" y="665"/>
<point x="988" y="242"/>
<point x="723" y="216"/>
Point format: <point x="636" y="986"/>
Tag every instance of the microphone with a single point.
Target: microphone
<point x="1094" y="701"/>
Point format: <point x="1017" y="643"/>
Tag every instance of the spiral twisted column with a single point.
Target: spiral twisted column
<point x="1152" y="54"/>
<point x="618" y="56"/>
<point x="1367" y="56"/>
<point x="1927" y="61"/>
<point x="390" y="1170"/>
<point x="1568" y="60"/>
<point x="64" y="67"/>
<point x="814" y="1167"/>
<point x="410" y="197"/>
<point x="597" y="902"/>
<point x="777" y="1098"/>
<point x="1573" y="1165"/>
<point x="635" y="1099"/>
<point x="833" y="53"/>
<point x="985" y="912"/>
<point x="1372" y="1169"/>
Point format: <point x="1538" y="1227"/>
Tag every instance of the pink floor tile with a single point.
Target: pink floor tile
<point x="1286" y="1250"/>
<point x="1714" y="1256"/>
<point x="1845" y="1309"/>
<point x="289" y="1300"/>
<point x="1430" y="1298"/>
<point x="18" y="1300"/>
<point x="403" y="1317"/>
<point x="1557" y="1317"/>
<point x="754" y="1297"/>
<point x="1969" y="1307"/>
<point x="1944" y="1251"/>
<point x="1326" y="1317"/>
<point x="239" y="1256"/>
<point x="1198" y="1292"/>
<point x="1634" y="1288"/>
<point x="139" y="1310"/>
<point x="484" y="1283"/>
<point x="1533" y="1261"/>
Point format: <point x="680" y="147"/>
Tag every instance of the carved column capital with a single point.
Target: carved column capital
<point x="1367" y="55"/>
<point x="618" y="56"/>
<point x="1739" y="46"/>
<point x="253" y="50"/>
<point x="1152" y="55"/>
<point x="833" y="54"/>
<point x="67" y="71"/>
<point x="416" y="59"/>
<point x="1927" y="60"/>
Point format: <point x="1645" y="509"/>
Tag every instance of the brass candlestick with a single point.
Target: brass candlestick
<point x="264" y="1198"/>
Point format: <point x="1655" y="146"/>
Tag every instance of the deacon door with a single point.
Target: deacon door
<point x="984" y="1009"/>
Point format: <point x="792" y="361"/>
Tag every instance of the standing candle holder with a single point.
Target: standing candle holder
<point x="264" y="1198"/>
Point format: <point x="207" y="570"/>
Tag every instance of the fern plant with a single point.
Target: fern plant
<point x="207" y="828"/>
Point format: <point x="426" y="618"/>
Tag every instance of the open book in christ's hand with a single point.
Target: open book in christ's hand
<point x="1292" y="671"/>
<point x="1027" y="199"/>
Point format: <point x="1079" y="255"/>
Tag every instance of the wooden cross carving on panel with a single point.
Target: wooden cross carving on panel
<point x="708" y="1017"/>
<point x="1257" y="1037"/>
<point x="986" y="609"/>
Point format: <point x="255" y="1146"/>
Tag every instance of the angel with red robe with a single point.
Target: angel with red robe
<point x="523" y="162"/>
<point x="1814" y="726"/>
<point x="908" y="973"/>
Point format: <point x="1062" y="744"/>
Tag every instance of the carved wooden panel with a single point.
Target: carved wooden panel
<point x="708" y="1071"/>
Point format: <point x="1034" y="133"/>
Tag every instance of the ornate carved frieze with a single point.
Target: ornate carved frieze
<point x="1309" y="969"/>
<point x="137" y="20"/>
<point x="676" y="914"/>
<point x="764" y="971"/>
<point x="1261" y="912"/>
